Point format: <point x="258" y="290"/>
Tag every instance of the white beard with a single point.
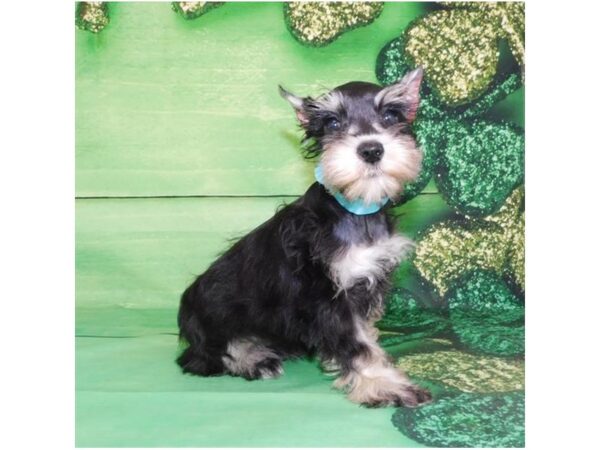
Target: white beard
<point x="344" y="171"/>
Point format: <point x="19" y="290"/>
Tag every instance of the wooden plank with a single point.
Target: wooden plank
<point x="173" y="107"/>
<point x="166" y="106"/>
<point x="135" y="254"/>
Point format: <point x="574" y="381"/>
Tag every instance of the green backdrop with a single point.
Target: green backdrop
<point x="183" y="142"/>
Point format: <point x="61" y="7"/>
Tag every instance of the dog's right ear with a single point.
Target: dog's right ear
<point x="297" y="103"/>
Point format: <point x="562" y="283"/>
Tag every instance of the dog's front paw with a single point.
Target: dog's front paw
<point x="412" y="396"/>
<point x="409" y="396"/>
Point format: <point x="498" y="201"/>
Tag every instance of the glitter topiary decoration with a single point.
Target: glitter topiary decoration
<point x="318" y="23"/>
<point x="475" y="162"/>
<point x="509" y="18"/>
<point x="460" y="63"/>
<point x="482" y="163"/>
<point x="485" y="315"/>
<point x="392" y="63"/>
<point x="426" y="133"/>
<point x="193" y="10"/>
<point x="465" y="371"/>
<point x="408" y="318"/>
<point x="91" y="16"/>
<point x="449" y="248"/>
<point x="466" y="420"/>
<point x="458" y="46"/>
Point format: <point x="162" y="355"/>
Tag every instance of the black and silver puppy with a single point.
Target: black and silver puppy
<point x="312" y="279"/>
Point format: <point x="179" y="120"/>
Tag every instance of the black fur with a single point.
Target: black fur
<point x="273" y="284"/>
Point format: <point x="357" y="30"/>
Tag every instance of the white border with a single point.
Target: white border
<point x="37" y="247"/>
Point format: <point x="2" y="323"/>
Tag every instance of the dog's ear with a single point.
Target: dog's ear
<point x="404" y="93"/>
<point x="297" y="103"/>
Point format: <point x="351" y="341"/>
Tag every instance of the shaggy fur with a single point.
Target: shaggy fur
<point x="312" y="279"/>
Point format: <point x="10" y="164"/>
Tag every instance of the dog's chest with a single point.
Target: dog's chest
<point x="368" y="251"/>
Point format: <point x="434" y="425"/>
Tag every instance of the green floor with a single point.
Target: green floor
<point x="131" y="394"/>
<point x="182" y="143"/>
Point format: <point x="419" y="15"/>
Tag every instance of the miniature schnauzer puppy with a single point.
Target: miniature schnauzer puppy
<point x="312" y="279"/>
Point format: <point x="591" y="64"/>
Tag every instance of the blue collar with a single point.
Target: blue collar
<point x="358" y="206"/>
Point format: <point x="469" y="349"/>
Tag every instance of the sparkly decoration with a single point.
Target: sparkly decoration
<point x="192" y="10"/>
<point x="466" y="420"/>
<point x="91" y="16"/>
<point x="426" y="132"/>
<point x="449" y="248"/>
<point x="466" y="372"/>
<point x="408" y="318"/>
<point x="476" y="162"/>
<point x="458" y="51"/>
<point x="458" y="46"/>
<point x="511" y="218"/>
<point x="404" y="310"/>
<point x="392" y="64"/>
<point x="482" y="163"/>
<point x="509" y="17"/>
<point x="516" y="256"/>
<point x="318" y="23"/>
<point x="485" y="315"/>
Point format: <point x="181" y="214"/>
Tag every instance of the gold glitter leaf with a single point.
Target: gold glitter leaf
<point x="496" y="242"/>
<point x="458" y="51"/>
<point x="467" y="372"/>
<point x="91" y="16"/>
<point x="449" y="248"/>
<point x="318" y="23"/>
<point x="192" y="10"/>
<point x="509" y="18"/>
<point x="458" y="46"/>
<point x="516" y="257"/>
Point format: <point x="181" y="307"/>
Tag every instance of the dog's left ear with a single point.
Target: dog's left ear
<point x="404" y="93"/>
<point x="297" y="103"/>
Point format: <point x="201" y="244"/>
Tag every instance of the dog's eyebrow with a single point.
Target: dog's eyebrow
<point x="331" y="101"/>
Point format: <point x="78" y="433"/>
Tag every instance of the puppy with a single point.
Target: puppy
<point x="311" y="280"/>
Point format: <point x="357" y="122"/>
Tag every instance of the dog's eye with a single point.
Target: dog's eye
<point x="391" y="117"/>
<point x="332" y="124"/>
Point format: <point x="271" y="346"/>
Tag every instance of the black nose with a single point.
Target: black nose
<point x="370" y="151"/>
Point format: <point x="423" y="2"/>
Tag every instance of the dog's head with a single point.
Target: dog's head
<point x="362" y="134"/>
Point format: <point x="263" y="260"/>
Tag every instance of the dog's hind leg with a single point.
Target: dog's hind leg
<point x="251" y="359"/>
<point x="203" y="355"/>
<point x="199" y="362"/>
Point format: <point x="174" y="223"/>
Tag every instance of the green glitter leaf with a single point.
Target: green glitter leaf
<point x="427" y="133"/>
<point x="404" y="310"/>
<point x="466" y="420"/>
<point x="481" y="165"/>
<point x="485" y="315"/>
<point x="408" y="318"/>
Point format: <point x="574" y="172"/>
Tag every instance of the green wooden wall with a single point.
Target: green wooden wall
<point x="182" y="142"/>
